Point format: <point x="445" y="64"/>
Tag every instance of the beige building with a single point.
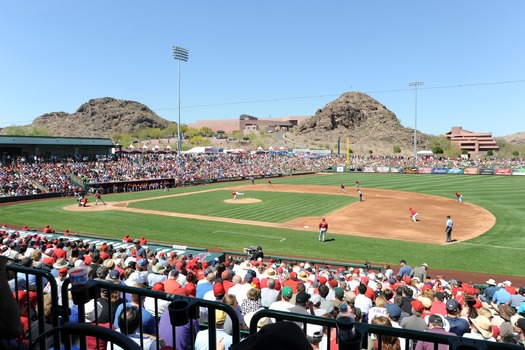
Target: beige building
<point x="248" y="124"/>
<point x="473" y="142"/>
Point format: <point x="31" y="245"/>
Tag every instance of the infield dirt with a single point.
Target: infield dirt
<point x="382" y="214"/>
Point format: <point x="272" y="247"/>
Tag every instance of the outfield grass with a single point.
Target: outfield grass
<point x="498" y="251"/>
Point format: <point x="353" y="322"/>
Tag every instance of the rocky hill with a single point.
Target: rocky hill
<point x="368" y="123"/>
<point x="517" y="139"/>
<point x="101" y="117"/>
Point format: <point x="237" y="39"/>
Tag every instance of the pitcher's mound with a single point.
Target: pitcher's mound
<point x="243" y="201"/>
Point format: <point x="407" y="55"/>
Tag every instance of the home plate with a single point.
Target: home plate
<point x="307" y="227"/>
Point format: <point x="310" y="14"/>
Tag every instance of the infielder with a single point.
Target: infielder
<point x="413" y="214"/>
<point x="323" y="227"/>
<point x="235" y="194"/>
<point x="360" y="195"/>
<point x="459" y="197"/>
<point x="342" y="188"/>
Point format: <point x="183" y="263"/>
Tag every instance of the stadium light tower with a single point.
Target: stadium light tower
<point x="415" y="84"/>
<point x="180" y="54"/>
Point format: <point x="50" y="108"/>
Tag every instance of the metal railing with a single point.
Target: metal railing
<point x="58" y="330"/>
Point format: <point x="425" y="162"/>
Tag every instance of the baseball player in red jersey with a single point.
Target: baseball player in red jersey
<point x="235" y="194"/>
<point x="357" y="184"/>
<point x="413" y="214"/>
<point x="342" y="188"/>
<point x="323" y="227"/>
<point x="459" y="197"/>
<point x="98" y="198"/>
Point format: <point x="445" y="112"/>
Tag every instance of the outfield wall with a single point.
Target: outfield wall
<point x="430" y="170"/>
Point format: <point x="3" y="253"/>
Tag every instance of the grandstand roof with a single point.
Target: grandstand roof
<point x="63" y="141"/>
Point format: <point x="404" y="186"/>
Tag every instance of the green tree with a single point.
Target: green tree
<point x="237" y="135"/>
<point x="191" y="132"/>
<point x="206" y="131"/>
<point x="437" y="150"/>
<point x="370" y="151"/>
<point x="196" y="140"/>
<point x="515" y="153"/>
<point x="17" y="130"/>
<point x="464" y="151"/>
<point x="490" y="153"/>
<point x="396" y="149"/>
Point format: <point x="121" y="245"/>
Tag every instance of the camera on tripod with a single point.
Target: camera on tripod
<point x="250" y="251"/>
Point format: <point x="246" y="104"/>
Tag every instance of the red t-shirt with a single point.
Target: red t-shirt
<point x="60" y="253"/>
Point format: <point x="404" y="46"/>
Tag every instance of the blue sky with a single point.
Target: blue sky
<point x="268" y="58"/>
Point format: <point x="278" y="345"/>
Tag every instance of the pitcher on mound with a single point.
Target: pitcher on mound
<point x="235" y="194"/>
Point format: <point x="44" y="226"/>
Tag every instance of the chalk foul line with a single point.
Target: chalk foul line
<point x="248" y="234"/>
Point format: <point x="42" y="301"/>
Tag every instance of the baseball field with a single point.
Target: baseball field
<point x="489" y="226"/>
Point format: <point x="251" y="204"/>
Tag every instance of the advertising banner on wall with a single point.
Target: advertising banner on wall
<point x="470" y="171"/>
<point x="503" y="171"/>
<point x="383" y="169"/>
<point x="369" y="169"/>
<point x="340" y="169"/>
<point x="486" y="171"/>
<point x="410" y="170"/>
<point x="455" y="171"/>
<point x="439" y="170"/>
<point x="425" y="170"/>
<point x="518" y="171"/>
<point x="396" y="170"/>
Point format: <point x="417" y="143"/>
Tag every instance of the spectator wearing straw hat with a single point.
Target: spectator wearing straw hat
<point x="481" y="329"/>
<point x="490" y="290"/>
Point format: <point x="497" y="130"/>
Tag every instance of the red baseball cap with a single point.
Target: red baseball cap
<point x="218" y="289"/>
<point x="159" y="287"/>
<point x="417" y="305"/>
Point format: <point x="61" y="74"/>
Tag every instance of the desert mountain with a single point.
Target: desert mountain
<point x="516" y="139"/>
<point x="101" y="117"/>
<point x="367" y="122"/>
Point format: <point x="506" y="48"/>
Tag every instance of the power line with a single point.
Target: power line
<point x="332" y="95"/>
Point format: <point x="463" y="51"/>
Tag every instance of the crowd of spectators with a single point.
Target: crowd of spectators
<point x="409" y="298"/>
<point x="34" y="175"/>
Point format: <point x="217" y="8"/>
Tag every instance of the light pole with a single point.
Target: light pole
<point x="180" y="54"/>
<point x="415" y="84"/>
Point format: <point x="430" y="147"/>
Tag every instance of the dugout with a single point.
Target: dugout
<point x="12" y="147"/>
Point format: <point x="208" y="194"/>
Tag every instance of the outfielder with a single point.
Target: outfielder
<point x="235" y="194"/>
<point x="323" y="227"/>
